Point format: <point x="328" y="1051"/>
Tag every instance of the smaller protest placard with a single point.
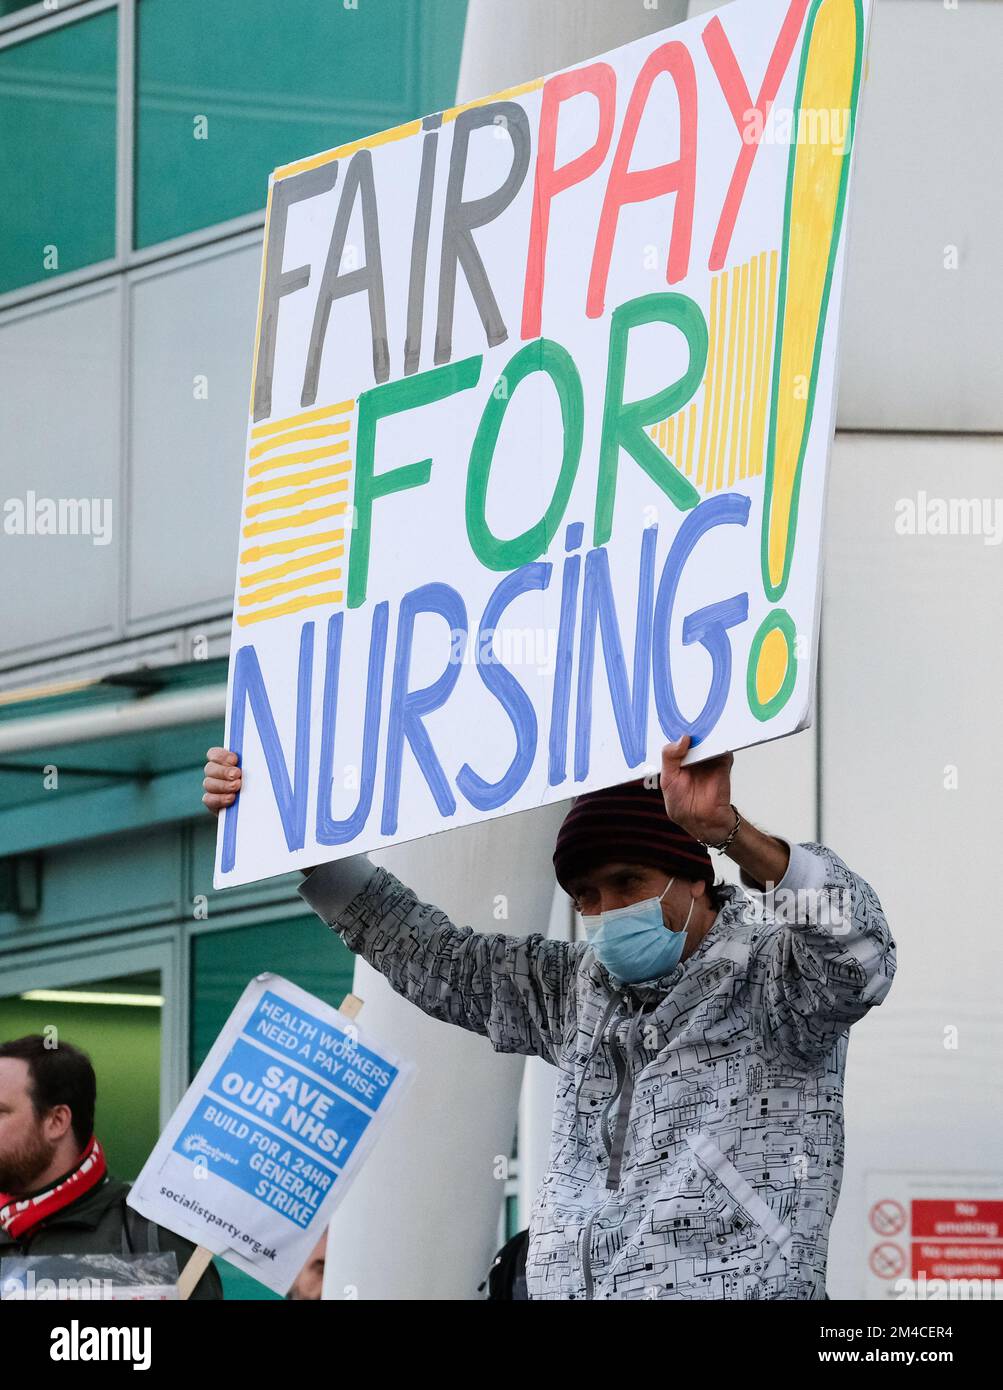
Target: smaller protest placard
<point x="271" y="1132"/>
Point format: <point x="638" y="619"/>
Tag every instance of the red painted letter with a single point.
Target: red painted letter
<point x="628" y="185"/>
<point x="600" y="80"/>
<point x="736" y="93"/>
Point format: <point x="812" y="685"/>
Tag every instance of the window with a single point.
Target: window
<point x="57" y="135"/>
<point x="227" y="92"/>
<point x="224" y="93"/>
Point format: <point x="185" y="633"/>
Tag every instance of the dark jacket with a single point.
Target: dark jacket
<point x="100" y="1223"/>
<point x="506" y="1281"/>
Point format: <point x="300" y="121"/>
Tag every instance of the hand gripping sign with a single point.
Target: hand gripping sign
<point x="542" y="405"/>
<point x="270" y="1134"/>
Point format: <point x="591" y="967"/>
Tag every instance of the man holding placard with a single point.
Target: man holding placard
<point x="582" y="387"/>
<point x="701" y="1032"/>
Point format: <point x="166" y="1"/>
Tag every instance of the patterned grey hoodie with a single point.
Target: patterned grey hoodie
<point x="697" y="1146"/>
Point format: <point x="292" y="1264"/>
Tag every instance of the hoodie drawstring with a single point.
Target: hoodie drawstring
<point x="597" y="1039"/>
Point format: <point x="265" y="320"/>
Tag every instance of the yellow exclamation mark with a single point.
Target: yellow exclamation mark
<point x="822" y="136"/>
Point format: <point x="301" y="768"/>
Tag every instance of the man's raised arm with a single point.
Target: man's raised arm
<point x="832" y="956"/>
<point x="519" y="992"/>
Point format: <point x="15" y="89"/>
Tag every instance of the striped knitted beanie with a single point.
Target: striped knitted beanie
<point x="627" y="823"/>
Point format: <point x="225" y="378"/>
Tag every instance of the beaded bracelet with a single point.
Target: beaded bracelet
<point x="725" y="843"/>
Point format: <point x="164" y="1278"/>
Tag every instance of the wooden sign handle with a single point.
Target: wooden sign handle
<point x="198" y="1261"/>
<point x="350" y="1006"/>
<point x="197" y="1264"/>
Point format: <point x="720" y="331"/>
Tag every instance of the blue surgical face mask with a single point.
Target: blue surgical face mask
<point x="633" y="943"/>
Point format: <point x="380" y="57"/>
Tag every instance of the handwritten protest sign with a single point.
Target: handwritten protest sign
<point x="542" y="404"/>
<point x="271" y="1132"/>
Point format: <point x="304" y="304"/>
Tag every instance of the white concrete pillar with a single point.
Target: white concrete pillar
<point x="421" y="1220"/>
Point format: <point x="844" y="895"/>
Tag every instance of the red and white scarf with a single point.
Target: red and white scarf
<point x="19" y="1215"/>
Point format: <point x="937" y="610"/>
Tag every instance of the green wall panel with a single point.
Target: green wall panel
<point x="103" y="885"/>
<point x="203" y="855"/>
<point x="273" y="82"/>
<point x="303" y="949"/>
<point x="57" y="150"/>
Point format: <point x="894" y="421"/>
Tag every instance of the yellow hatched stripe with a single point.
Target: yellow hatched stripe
<point x="297" y="436"/>
<point x="301" y="562"/>
<point x="288" y="586"/>
<point x="283" y="523"/>
<point x="748" y="373"/>
<point x="293" y="605"/>
<point x="731" y="399"/>
<point x="262" y="552"/>
<point x="301" y="456"/>
<point x="295" y="499"/>
<point x="718" y="380"/>
<point x="298" y="479"/>
<point x="304" y="418"/>
<point x="705" y="419"/>
<point x="717" y="440"/>
<point x="736" y="419"/>
<point x="727" y="381"/>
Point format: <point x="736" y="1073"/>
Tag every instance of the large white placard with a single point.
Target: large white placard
<point x="542" y="406"/>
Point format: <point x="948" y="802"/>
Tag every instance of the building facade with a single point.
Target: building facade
<point x="139" y="136"/>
